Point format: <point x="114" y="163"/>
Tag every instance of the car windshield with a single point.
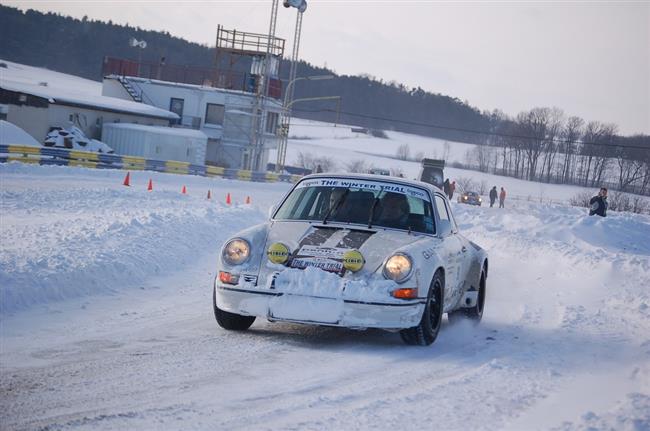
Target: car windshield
<point x="363" y="202"/>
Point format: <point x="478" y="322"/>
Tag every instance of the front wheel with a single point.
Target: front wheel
<point x="426" y="332"/>
<point x="230" y="321"/>
<point x="475" y="313"/>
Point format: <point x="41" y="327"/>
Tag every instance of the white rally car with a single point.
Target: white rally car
<point x="357" y="251"/>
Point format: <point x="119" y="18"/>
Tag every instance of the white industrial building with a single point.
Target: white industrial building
<point x="224" y="116"/>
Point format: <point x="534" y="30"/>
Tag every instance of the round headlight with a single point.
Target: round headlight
<point x="236" y="252"/>
<point x="398" y="267"/>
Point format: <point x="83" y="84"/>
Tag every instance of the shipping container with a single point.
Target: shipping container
<point x="158" y="143"/>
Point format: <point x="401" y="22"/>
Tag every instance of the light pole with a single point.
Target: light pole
<point x="286" y="115"/>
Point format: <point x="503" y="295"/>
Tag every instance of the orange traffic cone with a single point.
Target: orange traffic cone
<point x="150" y="186"/>
<point x="248" y="200"/>
<point x="184" y="191"/>
<point x="127" y="179"/>
<point x="209" y="196"/>
<point x="228" y="200"/>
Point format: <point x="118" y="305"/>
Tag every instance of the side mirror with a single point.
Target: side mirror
<point x="444" y="228"/>
<point x="272" y="209"/>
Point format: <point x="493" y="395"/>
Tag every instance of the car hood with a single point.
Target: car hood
<point x="309" y="242"/>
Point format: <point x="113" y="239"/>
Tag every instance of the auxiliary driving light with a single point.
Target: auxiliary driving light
<point x="353" y="260"/>
<point x="278" y="253"/>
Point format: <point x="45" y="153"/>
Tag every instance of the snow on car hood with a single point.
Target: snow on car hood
<point x="322" y="246"/>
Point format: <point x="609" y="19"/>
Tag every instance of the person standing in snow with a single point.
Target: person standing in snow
<point x="598" y="204"/>
<point x="452" y="189"/>
<point x="502" y="197"/>
<point x="493" y="196"/>
<point x="319" y="169"/>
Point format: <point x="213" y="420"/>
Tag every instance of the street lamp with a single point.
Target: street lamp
<point x="288" y="94"/>
<point x="286" y="114"/>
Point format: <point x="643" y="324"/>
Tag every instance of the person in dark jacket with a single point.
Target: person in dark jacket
<point x="598" y="204"/>
<point x="493" y="196"/>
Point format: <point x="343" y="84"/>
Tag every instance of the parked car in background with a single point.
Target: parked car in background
<point x="379" y="171"/>
<point x="471" y="198"/>
<point x="355" y="251"/>
<point x="73" y="138"/>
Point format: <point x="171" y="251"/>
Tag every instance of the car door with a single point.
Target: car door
<point x="451" y="251"/>
<point x="465" y="256"/>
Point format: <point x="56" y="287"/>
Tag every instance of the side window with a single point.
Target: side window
<point x="214" y="114"/>
<point x="454" y="226"/>
<point x="442" y="208"/>
<point x="271" y="122"/>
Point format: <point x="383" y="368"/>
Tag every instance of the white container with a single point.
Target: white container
<point x="158" y="143"/>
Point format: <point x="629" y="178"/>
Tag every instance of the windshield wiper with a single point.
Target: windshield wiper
<point x="336" y="206"/>
<point x="372" y="212"/>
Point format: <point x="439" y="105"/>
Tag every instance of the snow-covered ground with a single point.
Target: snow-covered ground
<point x="107" y="320"/>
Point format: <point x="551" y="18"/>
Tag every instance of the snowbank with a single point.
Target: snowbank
<point x="78" y="232"/>
<point x="10" y="134"/>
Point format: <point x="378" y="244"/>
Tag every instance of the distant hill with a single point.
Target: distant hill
<point x="78" y="47"/>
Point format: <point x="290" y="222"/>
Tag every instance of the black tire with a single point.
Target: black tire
<point x="475" y="313"/>
<point x="427" y="331"/>
<point x="230" y="321"/>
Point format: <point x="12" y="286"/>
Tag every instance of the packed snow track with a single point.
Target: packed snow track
<point x="107" y="321"/>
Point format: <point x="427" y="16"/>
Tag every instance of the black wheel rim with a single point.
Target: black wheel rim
<point x="435" y="307"/>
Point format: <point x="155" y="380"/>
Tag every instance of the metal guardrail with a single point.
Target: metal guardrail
<point x="65" y="157"/>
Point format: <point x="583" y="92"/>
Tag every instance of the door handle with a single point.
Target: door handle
<point x="464" y="249"/>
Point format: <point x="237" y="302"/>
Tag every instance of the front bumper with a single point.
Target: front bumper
<point x="342" y="312"/>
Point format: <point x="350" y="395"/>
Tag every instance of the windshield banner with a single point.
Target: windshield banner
<point x="366" y="185"/>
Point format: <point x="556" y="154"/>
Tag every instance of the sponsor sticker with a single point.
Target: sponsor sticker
<point x="324" y="264"/>
<point x="323" y="252"/>
<point x="366" y="185"/>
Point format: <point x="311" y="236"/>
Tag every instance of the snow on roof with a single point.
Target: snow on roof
<point x="69" y="89"/>
<point x="175" y="131"/>
<point x="269" y="100"/>
<point x="10" y="134"/>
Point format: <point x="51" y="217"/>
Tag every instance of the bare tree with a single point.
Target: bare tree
<point x="465" y="184"/>
<point x="356" y="166"/>
<point x="571" y="133"/>
<point x="446" y="150"/>
<point x="403" y="152"/>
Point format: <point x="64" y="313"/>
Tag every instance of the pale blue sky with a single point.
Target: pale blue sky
<point x="591" y="59"/>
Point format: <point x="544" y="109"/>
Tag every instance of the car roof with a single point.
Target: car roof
<point x="381" y="178"/>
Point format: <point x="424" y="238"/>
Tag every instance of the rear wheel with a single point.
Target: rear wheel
<point x="474" y="313"/>
<point x="230" y="321"/>
<point x="426" y="332"/>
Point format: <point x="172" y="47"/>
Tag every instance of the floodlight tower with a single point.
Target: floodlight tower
<point x="257" y="143"/>
<point x="301" y="6"/>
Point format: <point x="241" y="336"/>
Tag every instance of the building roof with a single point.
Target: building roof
<point x="175" y="131"/>
<point x="60" y="88"/>
<point x="269" y="100"/>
